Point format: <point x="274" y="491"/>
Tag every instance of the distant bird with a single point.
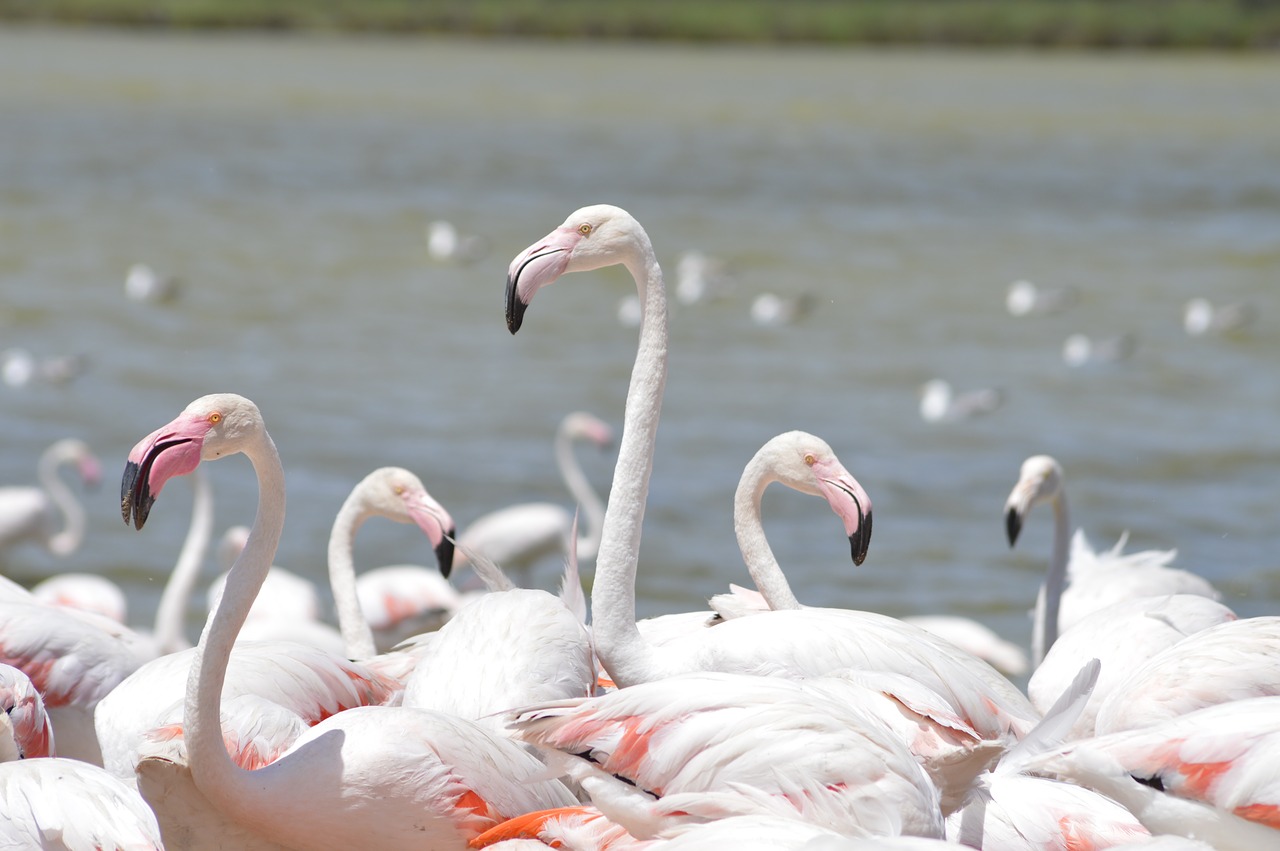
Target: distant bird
<point x="1026" y="299"/>
<point x="33" y="513"/>
<point x="1080" y="350"/>
<point x="940" y="403"/>
<point x="1201" y="317"/>
<point x="20" y="368"/>
<point x="85" y="591"/>
<point x="701" y="277"/>
<point x="143" y="283"/>
<point x="446" y="243"/>
<point x="770" y="310"/>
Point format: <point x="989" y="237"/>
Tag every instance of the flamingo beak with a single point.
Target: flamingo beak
<point x="1012" y="524"/>
<point x="438" y="526"/>
<point x="535" y="267"/>
<point x="850" y="502"/>
<point x="173" y="450"/>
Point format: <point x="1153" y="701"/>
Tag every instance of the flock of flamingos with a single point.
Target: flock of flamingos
<point x="1151" y="719"/>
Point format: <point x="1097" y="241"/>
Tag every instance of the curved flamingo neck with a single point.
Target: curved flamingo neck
<point x="624" y="653"/>
<point x="765" y="571"/>
<point x="1049" y="601"/>
<point x="356" y="632"/>
<point x="227" y="785"/>
<point x="588" y="501"/>
<point x="68" y="540"/>
<point x="172" y="611"/>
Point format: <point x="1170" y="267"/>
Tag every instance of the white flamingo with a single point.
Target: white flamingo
<point x="49" y="514"/>
<point x="518" y="536"/>
<point x="1095" y="580"/>
<point x="795" y="643"/>
<point x="398" y="495"/>
<point x="57" y="803"/>
<point x="373" y="776"/>
<point x="1225" y="662"/>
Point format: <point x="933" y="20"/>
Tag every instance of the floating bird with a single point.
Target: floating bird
<point x="1026" y="299"/>
<point x="143" y="283"/>
<point x="446" y="243"/>
<point x="1201" y="317"/>
<point x="771" y="310"/>
<point x="701" y="277"/>
<point x="20" y="368"/>
<point x="940" y="403"/>
<point x="1080" y="350"/>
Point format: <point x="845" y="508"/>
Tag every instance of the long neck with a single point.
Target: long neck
<point x="756" y="552"/>
<point x="356" y="632"/>
<point x="624" y="654"/>
<point x="1050" y="598"/>
<point x="584" y="495"/>
<point x="228" y="786"/>
<point x="65" y="542"/>
<point x="171" y="614"/>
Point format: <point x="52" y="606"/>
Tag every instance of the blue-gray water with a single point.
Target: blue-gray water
<point x="288" y="182"/>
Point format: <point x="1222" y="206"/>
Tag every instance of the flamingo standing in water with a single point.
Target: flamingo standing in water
<point x="32" y="513"/>
<point x="1095" y="581"/>
<point x="373" y="776"/>
<point x="518" y="536"/>
<point x="57" y="803"/>
<point x="793" y="643"/>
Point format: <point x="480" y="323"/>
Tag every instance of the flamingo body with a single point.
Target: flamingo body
<point x="49" y="514"/>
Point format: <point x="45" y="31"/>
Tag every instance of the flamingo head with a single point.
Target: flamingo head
<point x="592" y="238"/>
<point x="1039" y="481"/>
<point x="806" y="463"/>
<point x="581" y="424"/>
<point x="24" y="724"/>
<point x="210" y="427"/>
<point x="399" y="495"/>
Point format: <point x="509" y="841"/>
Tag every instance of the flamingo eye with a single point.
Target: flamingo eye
<point x="809" y="459"/>
<point x="584" y="229"/>
<point x="215" y="418"/>
<point x="399" y="489"/>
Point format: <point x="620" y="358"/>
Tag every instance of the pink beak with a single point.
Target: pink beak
<point x="849" y="501"/>
<point x="173" y="450"/>
<point x="438" y="526"/>
<point x="535" y="267"/>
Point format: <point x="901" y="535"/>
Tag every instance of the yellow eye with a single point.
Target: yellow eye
<point x="809" y="459"/>
<point x="584" y="229"/>
<point x="215" y="418"/>
<point x="399" y="489"/>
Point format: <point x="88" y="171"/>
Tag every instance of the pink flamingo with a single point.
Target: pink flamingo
<point x="55" y="803"/>
<point x="372" y="776"/>
<point x="802" y="745"/>
<point x="32" y="513"/>
<point x="792" y="643"/>
<point x="1210" y="773"/>
<point x="1084" y="581"/>
<point x="518" y="536"/>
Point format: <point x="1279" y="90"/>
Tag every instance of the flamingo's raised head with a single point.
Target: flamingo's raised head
<point x="807" y="463"/>
<point x="25" y="730"/>
<point x="1039" y="481"/>
<point x="592" y="238"/>
<point x="210" y="427"/>
<point x="398" y="494"/>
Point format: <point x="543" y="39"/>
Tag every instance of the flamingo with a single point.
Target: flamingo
<point x="1122" y="636"/>
<point x="372" y="776"/>
<point x="1095" y="580"/>
<point x="1225" y="662"/>
<point x="32" y="513"/>
<point x="1210" y="773"/>
<point x="794" y="643"/>
<point x="517" y="536"/>
<point x="398" y="495"/>
<point x="57" y="803"/>
<point x="85" y="591"/>
<point x="802" y="744"/>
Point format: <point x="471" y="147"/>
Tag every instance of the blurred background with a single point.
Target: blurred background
<point x="327" y="211"/>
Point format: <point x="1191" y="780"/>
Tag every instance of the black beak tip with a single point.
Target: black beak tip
<point x="135" y="497"/>
<point x="444" y="553"/>
<point x="515" y="307"/>
<point x="1012" y="525"/>
<point x="860" y="541"/>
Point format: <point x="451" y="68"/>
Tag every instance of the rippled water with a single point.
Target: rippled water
<point x="288" y="182"/>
